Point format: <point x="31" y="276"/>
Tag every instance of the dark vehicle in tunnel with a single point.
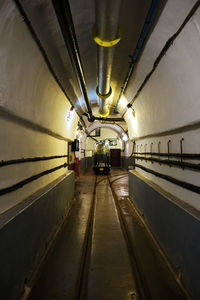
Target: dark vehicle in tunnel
<point x="102" y="158"/>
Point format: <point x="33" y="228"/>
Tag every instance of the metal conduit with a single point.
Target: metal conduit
<point x="170" y="162"/>
<point x="64" y="16"/>
<point x="185" y="185"/>
<point x="164" y="50"/>
<point x="106" y="35"/>
<point x="140" y="44"/>
<point x="45" y="56"/>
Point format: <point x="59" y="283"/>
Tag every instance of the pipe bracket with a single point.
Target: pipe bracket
<point x="102" y="43"/>
<point x="104" y="115"/>
<point x="103" y="96"/>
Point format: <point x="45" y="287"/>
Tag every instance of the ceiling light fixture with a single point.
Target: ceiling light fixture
<point x="70" y="114"/>
<point x="124" y="137"/>
<point x="131" y="109"/>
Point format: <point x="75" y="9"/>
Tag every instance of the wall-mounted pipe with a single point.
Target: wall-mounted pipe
<point x="4" y="163"/>
<point x="140" y="44"/>
<point x="65" y="20"/>
<point x="164" y="50"/>
<point x="25" y="181"/>
<point x="106" y="35"/>
<point x="183" y="184"/>
<point x="170" y="162"/>
<point x="195" y="156"/>
<point x="45" y="56"/>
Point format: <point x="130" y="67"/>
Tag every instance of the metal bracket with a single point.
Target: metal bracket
<point x="102" y="43"/>
<point x="103" y="96"/>
<point x="159" y="143"/>
<point x="168" y="150"/>
<point x="145" y="149"/>
<point x="137" y="149"/>
<point x="181" y="150"/>
<point x="151" y="147"/>
<point x="105" y="115"/>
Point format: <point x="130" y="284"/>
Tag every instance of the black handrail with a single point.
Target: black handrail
<point x="183" y="184"/>
<point x="30" y="159"/>
<point x="20" y="184"/>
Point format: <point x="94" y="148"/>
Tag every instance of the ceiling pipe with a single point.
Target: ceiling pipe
<point x="140" y="44"/>
<point x="106" y="34"/>
<point x="64" y="16"/>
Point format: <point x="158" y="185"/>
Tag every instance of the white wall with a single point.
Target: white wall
<point x="106" y="133"/>
<point x="28" y="92"/>
<point x="191" y="143"/>
<point x="114" y="131"/>
<point x="170" y="99"/>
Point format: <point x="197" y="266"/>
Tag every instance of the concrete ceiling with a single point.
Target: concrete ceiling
<point x="45" y="24"/>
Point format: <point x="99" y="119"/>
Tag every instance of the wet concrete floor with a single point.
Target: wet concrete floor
<point x="110" y="273"/>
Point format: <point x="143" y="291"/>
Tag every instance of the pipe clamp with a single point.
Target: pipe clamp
<point x="104" y="115"/>
<point x="103" y="96"/>
<point x="102" y="43"/>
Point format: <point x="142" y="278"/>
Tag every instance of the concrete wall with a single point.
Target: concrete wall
<point x="87" y="146"/>
<point x="110" y="131"/>
<point x="33" y="110"/>
<point x="175" y="225"/>
<point x="89" y="162"/>
<point x="168" y="109"/>
<point x="33" y="123"/>
<point x="127" y="162"/>
<point x="191" y="144"/>
<point x="170" y="99"/>
<point x="27" y="229"/>
<point x="83" y="164"/>
<point x="106" y="133"/>
<point x="86" y="163"/>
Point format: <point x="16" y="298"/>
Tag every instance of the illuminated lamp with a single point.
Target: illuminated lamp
<point x="70" y="113"/>
<point x="124" y="137"/>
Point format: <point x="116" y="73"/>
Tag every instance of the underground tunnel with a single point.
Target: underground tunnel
<point x="99" y="149"/>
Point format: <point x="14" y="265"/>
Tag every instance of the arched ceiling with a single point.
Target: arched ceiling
<point x="163" y="90"/>
<point x="43" y="19"/>
<point x="120" y="132"/>
<point x="115" y="127"/>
